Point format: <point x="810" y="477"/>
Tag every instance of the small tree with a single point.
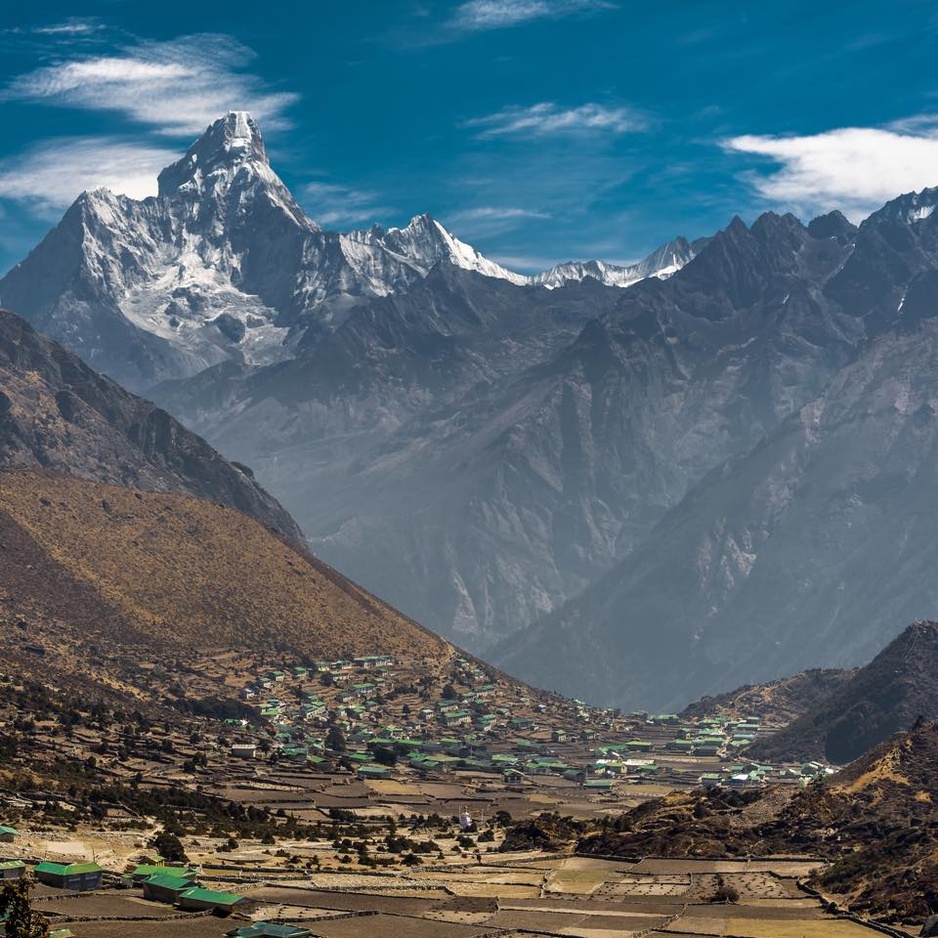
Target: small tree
<point x="335" y="739"/>
<point x="724" y="892"/>
<point x="22" y="921"/>
<point x="169" y="846"/>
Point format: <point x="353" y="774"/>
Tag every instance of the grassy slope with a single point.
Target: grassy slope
<point x="173" y="569"/>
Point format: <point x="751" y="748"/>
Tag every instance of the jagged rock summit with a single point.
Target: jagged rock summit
<point x="229" y="160"/>
<point x="232" y="141"/>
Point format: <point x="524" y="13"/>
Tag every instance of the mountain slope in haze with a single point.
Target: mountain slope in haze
<point x="384" y="437"/>
<point x="489" y="449"/>
<point x="780" y="701"/>
<point x="134" y="572"/>
<point x="885" y="696"/>
<point x="802" y="552"/>
<point x="875" y="822"/>
<point x="56" y="413"/>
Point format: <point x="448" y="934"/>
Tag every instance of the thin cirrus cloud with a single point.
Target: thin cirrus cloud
<point x="547" y="118"/>
<point x="334" y="204"/>
<point x="490" y="220"/>
<point x="854" y="169"/>
<point x="73" y="27"/>
<point x="175" y="88"/>
<point x="54" y="173"/>
<point x="478" y="15"/>
<point x="496" y="213"/>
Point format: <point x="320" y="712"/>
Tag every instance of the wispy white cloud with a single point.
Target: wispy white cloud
<point x="922" y="125"/>
<point x="176" y="88"/>
<point x="854" y="169"/>
<point x="486" y="221"/>
<point x="495" y="213"/>
<point x="341" y="206"/>
<point x="550" y="118"/>
<point x="50" y="176"/>
<point x="71" y="27"/>
<point x="476" y="15"/>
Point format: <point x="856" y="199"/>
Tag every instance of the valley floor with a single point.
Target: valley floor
<point x="504" y="894"/>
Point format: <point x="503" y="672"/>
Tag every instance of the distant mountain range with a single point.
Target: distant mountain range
<point x="224" y="265"/>
<point x="723" y="469"/>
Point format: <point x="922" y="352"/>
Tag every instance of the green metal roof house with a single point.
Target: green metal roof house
<point x="79" y="876"/>
<point x="374" y="771"/>
<point x="11" y="869"/>
<point x="8" y="834"/>
<point x="198" y="899"/>
<point x="146" y="870"/>
<point x="165" y="887"/>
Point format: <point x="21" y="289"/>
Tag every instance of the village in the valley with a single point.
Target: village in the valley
<point x="340" y="798"/>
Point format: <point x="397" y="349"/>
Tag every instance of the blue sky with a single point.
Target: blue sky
<point x="537" y="130"/>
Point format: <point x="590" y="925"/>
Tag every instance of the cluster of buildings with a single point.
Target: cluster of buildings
<point x="303" y="706"/>
<point x="389" y="724"/>
<point x="174" y="885"/>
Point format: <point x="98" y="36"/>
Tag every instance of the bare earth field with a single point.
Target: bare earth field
<point x="506" y="894"/>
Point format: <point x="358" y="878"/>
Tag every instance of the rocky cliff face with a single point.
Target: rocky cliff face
<point x="482" y="451"/>
<point x="806" y="549"/>
<point x="56" y="413"/>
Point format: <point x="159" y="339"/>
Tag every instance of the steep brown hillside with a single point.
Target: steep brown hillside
<point x="881" y="698"/>
<point x="56" y="413"/>
<point x="92" y="572"/>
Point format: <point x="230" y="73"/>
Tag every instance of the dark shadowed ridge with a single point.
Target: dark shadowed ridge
<point x="57" y="413"/>
<point x="778" y="701"/>
<point x="888" y="695"/>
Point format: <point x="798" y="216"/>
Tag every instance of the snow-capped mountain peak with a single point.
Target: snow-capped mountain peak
<point x="229" y="164"/>
<point x="424" y="242"/>
<point x="227" y="144"/>
<point x="661" y="263"/>
<point x="906" y="209"/>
